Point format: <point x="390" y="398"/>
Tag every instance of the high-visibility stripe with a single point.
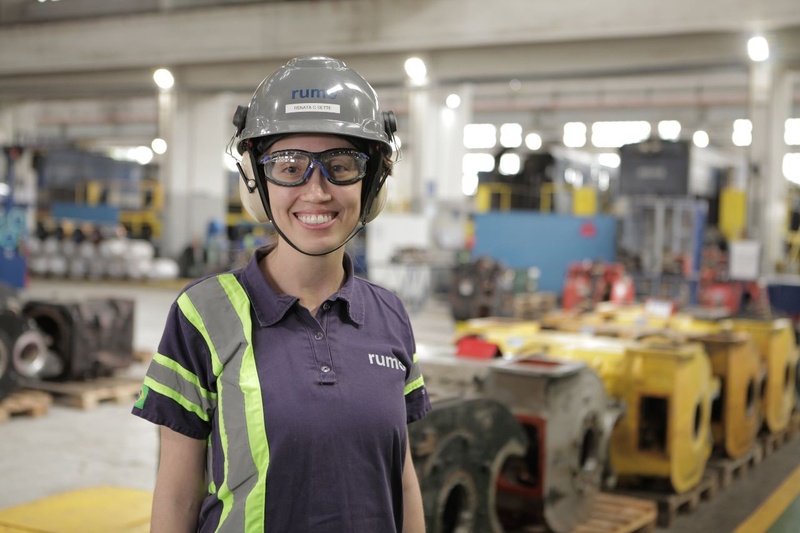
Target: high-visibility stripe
<point x="223" y="320"/>
<point x="185" y="374"/>
<point x="254" y="407"/>
<point x="414" y="385"/>
<point x="177" y="397"/>
<point x="183" y="383"/>
<point x="414" y="379"/>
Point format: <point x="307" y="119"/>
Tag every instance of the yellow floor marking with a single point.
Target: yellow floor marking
<point x="773" y="507"/>
<point x="94" y="510"/>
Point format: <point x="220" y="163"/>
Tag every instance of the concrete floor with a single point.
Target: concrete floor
<point x="70" y="448"/>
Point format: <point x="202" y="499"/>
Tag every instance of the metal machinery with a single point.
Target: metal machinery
<point x="480" y="288"/>
<point x="567" y="418"/>
<point x="458" y="451"/>
<point x="775" y="340"/>
<point x="667" y="389"/>
<point x="87" y="339"/>
<point x="590" y="282"/>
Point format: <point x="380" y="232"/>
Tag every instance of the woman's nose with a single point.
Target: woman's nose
<point x="317" y="184"/>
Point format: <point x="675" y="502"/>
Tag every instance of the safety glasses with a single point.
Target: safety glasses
<point x="291" y="168"/>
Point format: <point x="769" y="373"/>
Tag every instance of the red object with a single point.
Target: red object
<point x="476" y="348"/>
<point x="588" y="230"/>
<point x="589" y="283"/>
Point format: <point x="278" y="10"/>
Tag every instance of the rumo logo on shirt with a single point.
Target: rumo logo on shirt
<point x="311" y="93"/>
<point x="388" y="361"/>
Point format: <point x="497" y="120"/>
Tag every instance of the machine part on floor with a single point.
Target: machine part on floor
<point x="91" y="338"/>
<point x="776" y="344"/>
<point x="21" y="344"/>
<point x="736" y="414"/>
<point x="667" y="388"/>
<point x="590" y="282"/>
<point x="569" y="417"/>
<point x="459" y="450"/>
<point x="481" y="288"/>
<point x="509" y="334"/>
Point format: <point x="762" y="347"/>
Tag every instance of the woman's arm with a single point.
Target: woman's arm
<point x="180" y="483"/>
<point x="413" y="514"/>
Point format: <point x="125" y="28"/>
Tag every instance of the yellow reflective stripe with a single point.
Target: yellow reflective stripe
<point x="254" y="408"/>
<point x="414" y="385"/>
<point x="177" y="397"/>
<point x="185" y="374"/>
<point x="190" y="312"/>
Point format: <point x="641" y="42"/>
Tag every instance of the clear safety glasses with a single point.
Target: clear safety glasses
<point x="291" y="168"/>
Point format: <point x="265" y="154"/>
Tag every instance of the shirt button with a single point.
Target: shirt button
<point x="318" y="335"/>
<point x="326" y="306"/>
<point x="325" y="368"/>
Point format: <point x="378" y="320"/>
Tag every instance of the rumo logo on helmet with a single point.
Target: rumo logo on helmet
<point x="311" y="93"/>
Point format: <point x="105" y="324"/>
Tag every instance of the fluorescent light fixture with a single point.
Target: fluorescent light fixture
<point x="533" y="141"/>
<point x="758" y="48"/>
<point x="453" y="101"/>
<point x="575" y="134"/>
<point x="480" y="136"/>
<point x="614" y="134"/>
<point x="742" y="132"/>
<point x="669" y="130"/>
<point x="700" y="139"/>
<point x="511" y="135"/>
<point x="791" y="167"/>
<point x="509" y="164"/>
<point x="159" y="146"/>
<point x="609" y="159"/>
<point x="791" y="133"/>
<point x="416" y="70"/>
<point x="163" y="78"/>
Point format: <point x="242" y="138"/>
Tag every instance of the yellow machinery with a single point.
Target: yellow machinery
<point x="736" y="417"/>
<point x="493" y="197"/>
<point x="667" y="389"/>
<point x="776" y="343"/>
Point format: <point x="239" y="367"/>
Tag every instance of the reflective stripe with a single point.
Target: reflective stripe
<point x="165" y="370"/>
<point x="414" y="379"/>
<point x="179" y="398"/>
<point x="253" y="406"/>
<point x="218" y="307"/>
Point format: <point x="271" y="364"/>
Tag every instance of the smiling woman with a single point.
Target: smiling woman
<point x="291" y="372"/>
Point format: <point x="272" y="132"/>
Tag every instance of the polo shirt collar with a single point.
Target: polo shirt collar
<point x="270" y="307"/>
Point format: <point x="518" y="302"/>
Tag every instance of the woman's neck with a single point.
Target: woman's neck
<point x="311" y="279"/>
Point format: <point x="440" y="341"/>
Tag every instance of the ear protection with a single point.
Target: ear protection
<point x="251" y="201"/>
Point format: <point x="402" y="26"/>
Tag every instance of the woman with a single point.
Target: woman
<point x="283" y="389"/>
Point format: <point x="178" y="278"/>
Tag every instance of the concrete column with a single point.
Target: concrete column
<point x="451" y="151"/>
<point x="419" y="148"/>
<point x="770" y="106"/>
<point x="195" y="177"/>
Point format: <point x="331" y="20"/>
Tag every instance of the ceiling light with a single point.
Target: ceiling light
<point x="163" y="78"/>
<point x="159" y="146"/>
<point x="700" y="139"/>
<point x="416" y="70"/>
<point x="758" y="48"/>
<point x="453" y="101"/>
<point x="533" y="141"/>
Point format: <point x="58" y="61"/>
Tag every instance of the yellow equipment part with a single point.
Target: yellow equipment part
<point x="776" y="344"/>
<point x="668" y="391"/>
<point x="736" y="415"/>
<point x="584" y="202"/>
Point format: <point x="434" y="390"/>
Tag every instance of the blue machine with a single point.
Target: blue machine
<point x="549" y="242"/>
<point x="13" y="227"/>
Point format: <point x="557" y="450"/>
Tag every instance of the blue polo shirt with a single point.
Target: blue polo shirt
<point x="335" y="397"/>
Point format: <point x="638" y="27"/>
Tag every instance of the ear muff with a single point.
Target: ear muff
<point x="251" y="201"/>
<point x="377" y="206"/>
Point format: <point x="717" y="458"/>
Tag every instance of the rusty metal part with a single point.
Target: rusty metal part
<point x="459" y="450"/>
<point x="568" y="419"/>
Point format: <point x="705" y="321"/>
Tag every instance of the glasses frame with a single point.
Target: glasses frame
<point x="316" y="161"/>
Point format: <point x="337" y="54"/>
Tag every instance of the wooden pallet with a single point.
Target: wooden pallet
<point x="671" y="505"/>
<point x="730" y="469"/>
<point x="25" y="403"/>
<point x="772" y="442"/>
<point x="613" y="513"/>
<point x="88" y="394"/>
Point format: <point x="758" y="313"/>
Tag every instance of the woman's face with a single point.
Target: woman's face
<point x="317" y="215"/>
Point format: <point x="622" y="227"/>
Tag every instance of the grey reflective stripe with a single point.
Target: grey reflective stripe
<point x="219" y="308"/>
<point x="188" y="389"/>
<point x="414" y="378"/>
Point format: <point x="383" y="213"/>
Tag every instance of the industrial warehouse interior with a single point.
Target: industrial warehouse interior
<point x="592" y="222"/>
